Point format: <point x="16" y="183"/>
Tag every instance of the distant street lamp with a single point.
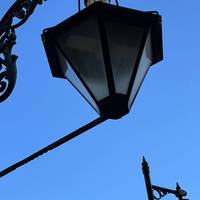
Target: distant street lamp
<point x="104" y="51"/>
<point x="155" y="192"/>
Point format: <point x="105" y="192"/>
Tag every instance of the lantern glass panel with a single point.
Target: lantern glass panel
<point x="81" y="47"/>
<point x="124" y="41"/>
<point x="145" y="63"/>
<point x="75" y="81"/>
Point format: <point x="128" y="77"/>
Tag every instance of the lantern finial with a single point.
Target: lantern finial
<point x="89" y="2"/>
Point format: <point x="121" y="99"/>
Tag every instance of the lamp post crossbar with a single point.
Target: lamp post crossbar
<point x="52" y="146"/>
<point x="161" y="191"/>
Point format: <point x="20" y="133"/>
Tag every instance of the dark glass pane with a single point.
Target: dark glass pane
<point x="124" y="42"/>
<point x="145" y="63"/>
<point x="81" y="46"/>
<point x="75" y="81"/>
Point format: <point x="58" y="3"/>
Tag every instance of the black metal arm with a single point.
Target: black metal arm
<point x="52" y="146"/>
<point x="161" y="191"/>
<point x="15" y="17"/>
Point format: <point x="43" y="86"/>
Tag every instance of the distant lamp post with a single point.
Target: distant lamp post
<point x="105" y="52"/>
<point x="156" y="192"/>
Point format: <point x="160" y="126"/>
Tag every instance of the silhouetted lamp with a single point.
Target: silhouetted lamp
<point x="105" y="52"/>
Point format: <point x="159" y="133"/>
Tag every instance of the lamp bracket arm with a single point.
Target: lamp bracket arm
<point x="15" y="17"/>
<point x="161" y="191"/>
<point x="52" y="146"/>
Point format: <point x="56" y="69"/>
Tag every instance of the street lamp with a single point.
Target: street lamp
<point x="104" y="51"/>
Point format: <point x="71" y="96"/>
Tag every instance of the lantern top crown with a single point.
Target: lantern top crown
<point x="90" y="2"/>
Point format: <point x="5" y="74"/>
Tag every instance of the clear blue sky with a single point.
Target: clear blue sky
<point x="104" y="163"/>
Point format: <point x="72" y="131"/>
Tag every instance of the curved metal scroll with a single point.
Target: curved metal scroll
<point x="16" y="16"/>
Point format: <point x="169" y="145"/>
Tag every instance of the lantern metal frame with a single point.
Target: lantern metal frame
<point x="150" y="21"/>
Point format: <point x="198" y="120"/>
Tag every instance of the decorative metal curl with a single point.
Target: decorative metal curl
<point x="160" y="193"/>
<point x="8" y="74"/>
<point x="16" y="16"/>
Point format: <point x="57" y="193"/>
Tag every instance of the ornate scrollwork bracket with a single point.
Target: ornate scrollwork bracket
<point x="156" y="192"/>
<point x="16" y="16"/>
